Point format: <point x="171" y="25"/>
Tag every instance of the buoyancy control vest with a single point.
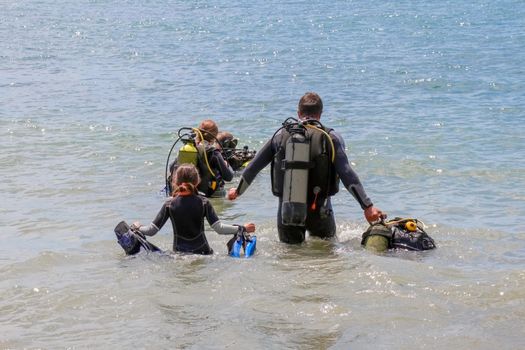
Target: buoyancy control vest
<point x="401" y="233"/>
<point x="210" y="178"/>
<point x="302" y="171"/>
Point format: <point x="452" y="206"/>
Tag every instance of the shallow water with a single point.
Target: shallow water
<point x="429" y="98"/>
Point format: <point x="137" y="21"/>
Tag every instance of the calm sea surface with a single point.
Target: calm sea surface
<point x="429" y="96"/>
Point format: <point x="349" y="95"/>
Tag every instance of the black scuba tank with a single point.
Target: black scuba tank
<point x="295" y="165"/>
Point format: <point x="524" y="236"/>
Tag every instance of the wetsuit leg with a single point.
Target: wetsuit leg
<point x="289" y="234"/>
<point x="323" y="227"/>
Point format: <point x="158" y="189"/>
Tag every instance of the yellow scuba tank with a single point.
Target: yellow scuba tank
<point x="188" y="154"/>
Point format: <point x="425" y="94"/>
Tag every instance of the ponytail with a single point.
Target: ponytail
<point x="185" y="187"/>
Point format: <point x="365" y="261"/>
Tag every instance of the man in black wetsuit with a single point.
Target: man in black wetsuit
<point x="320" y="218"/>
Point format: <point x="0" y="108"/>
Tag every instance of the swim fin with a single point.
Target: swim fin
<point x="242" y="241"/>
<point x="132" y="241"/>
<point x="237" y="246"/>
<point x="250" y="245"/>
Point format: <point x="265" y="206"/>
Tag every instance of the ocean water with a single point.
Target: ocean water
<point x="429" y="97"/>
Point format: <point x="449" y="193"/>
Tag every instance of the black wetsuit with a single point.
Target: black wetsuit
<point x="318" y="223"/>
<point x="187" y="213"/>
<point x="222" y="170"/>
<point x="220" y="166"/>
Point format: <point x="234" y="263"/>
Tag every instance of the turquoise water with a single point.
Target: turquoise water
<point x="429" y="97"/>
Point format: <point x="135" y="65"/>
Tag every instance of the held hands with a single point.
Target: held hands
<point x="232" y="194"/>
<point x="135" y="225"/>
<point x="373" y="215"/>
<point x="249" y="227"/>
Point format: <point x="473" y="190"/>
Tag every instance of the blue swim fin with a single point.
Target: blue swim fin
<point x="235" y="250"/>
<point x="241" y="241"/>
<point x="251" y="243"/>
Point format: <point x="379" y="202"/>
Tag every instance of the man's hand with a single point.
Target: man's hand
<point x="373" y="214"/>
<point x="232" y="194"/>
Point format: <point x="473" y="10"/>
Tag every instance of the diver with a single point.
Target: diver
<point x="236" y="158"/>
<point x="187" y="210"/>
<point x="307" y="161"/>
<point x="213" y="169"/>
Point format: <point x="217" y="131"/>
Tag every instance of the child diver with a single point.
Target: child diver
<point x="187" y="209"/>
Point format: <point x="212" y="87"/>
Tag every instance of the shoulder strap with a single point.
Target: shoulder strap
<point x="205" y="154"/>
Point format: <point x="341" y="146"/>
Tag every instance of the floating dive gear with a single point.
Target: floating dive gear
<point x="402" y="233"/>
<point x="132" y="240"/>
<point x="239" y="158"/>
<point x="242" y="241"/>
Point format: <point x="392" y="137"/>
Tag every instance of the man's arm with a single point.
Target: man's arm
<point x="347" y="174"/>
<point x="351" y="180"/>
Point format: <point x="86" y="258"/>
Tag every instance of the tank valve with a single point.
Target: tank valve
<point x="411" y="226"/>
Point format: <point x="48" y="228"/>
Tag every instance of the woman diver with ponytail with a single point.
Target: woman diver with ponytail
<point x="187" y="209"/>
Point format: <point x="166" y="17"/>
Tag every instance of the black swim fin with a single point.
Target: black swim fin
<point x="132" y="241"/>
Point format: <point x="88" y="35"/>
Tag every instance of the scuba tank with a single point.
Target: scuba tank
<point x="295" y="183"/>
<point x="187" y="136"/>
<point x="188" y="153"/>
<point x="400" y="233"/>
<point x="303" y="173"/>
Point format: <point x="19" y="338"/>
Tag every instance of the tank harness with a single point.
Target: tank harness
<point x="303" y="172"/>
<point x="402" y="233"/>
